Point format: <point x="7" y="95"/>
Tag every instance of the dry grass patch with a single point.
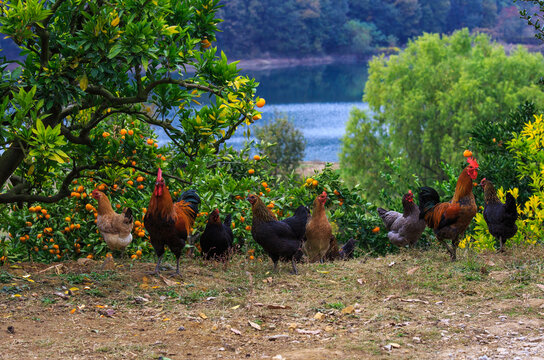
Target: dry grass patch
<point x="415" y="304"/>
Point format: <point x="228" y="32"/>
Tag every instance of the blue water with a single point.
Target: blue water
<point x="323" y="125"/>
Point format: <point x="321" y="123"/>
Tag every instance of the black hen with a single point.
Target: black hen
<point x="500" y="218"/>
<point x="281" y="240"/>
<point x="217" y="239"/>
<point x="345" y="253"/>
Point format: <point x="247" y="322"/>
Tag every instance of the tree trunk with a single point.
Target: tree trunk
<point x="9" y="161"/>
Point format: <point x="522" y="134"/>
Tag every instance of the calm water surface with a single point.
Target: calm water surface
<point x="317" y="99"/>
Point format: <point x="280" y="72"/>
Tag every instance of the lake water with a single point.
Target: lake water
<point x="318" y="99"/>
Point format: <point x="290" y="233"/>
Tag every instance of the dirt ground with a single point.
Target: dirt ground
<point x="413" y="305"/>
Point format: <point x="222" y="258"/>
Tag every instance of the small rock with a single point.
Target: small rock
<point x="181" y="328"/>
<point x="11" y="329"/>
<point x="279" y="336"/>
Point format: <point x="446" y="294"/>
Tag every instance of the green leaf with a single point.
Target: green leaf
<point x="114" y="51"/>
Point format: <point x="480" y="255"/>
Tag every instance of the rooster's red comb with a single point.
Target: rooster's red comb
<point x="472" y="162"/>
<point x="159" y="175"/>
<point x="410" y="192"/>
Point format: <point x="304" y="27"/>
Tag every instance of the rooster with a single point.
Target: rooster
<point x="318" y="231"/>
<point x="170" y="223"/>
<point x="406" y="228"/>
<point x="115" y="228"/>
<point x="281" y="240"/>
<point x="500" y="218"/>
<point x="450" y="219"/>
<point x="217" y="239"/>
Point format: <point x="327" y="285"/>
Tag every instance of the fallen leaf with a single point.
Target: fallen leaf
<point x="310" y="332"/>
<point x="272" y="306"/>
<point x="267" y="280"/>
<point x="360" y="281"/>
<point x="235" y="307"/>
<point x="73" y="311"/>
<point x="166" y="319"/>
<point x="214" y="327"/>
<point x="168" y="281"/>
<point x="322" y="271"/>
<point x="236" y="331"/>
<point x="391" y="264"/>
<point x="414" y="300"/>
<point x="293" y="326"/>
<point x="74" y="289"/>
<point x="254" y="325"/>
<point x="348" y="309"/>
<point x="394" y="345"/>
<point x="279" y="336"/>
<point x="328" y="328"/>
<point x="202" y="315"/>
<point x="319" y="316"/>
<point x="412" y="270"/>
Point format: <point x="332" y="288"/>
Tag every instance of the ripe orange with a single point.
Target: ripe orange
<point x="131" y="132"/>
<point x="314" y="183"/>
<point x="89" y="207"/>
<point x="67" y="219"/>
<point x="206" y="43"/>
<point x="233" y="225"/>
<point x="137" y="223"/>
<point x="261" y="102"/>
<point x="467" y="153"/>
<point x="47" y="216"/>
<point x="44" y="211"/>
<point x="257" y="117"/>
<point x="251" y="171"/>
<point x="105" y="134"/>
<point x="336" y="192"/>
<point x="130" y="182"/>
<point x="140" y="179"/>
<point x="264" y="184"/>
<point x="90" y="256"/>
<point x="102" y="187"/>
<point x="376" y="229"/>
<point x="123" y="132"/>
<point x="242" y="219"/>
<point x="38" y="208"/>
<point x="149" y="141"/>
<point x="248" y="228"/>
<point x="251" y="257"/>
<point x="139" y="252"/>
<point x="118" y="205"/>
<point x="134" y="256"/>
<point x="256" y="158"/>
<point x="80" y="189"/>
<point x="140" y="187"/>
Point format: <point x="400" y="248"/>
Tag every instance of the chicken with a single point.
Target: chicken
<point x="281" y="240"/>
<point x="318" y="231"/>
<point x="403" y="229"/>
<point x="346" y="252"/>
<point x="217" y="239"/>
<point x="169" y="223"/>
<point x="450" y="219"/>
<point x="115" y="228"/>
<point x="500" y="218"/>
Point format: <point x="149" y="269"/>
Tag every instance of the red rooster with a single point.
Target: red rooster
<point x="169" y="223"/>
<point x="450" y="219"/>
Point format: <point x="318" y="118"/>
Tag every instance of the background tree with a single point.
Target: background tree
<point x="289" y="143"/>
<point x="426" y="99"/>
<point x="94" y="66"/>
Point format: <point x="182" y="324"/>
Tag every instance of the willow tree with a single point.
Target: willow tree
<point x="89" y="66"/>
<point x="425" y="100"/>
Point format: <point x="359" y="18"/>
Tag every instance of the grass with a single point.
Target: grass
<point x="392" y="303"/>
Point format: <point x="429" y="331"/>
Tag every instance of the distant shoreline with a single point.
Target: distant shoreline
<point x="278" y="63"/>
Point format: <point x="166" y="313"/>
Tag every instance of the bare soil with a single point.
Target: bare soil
<point x="413" y="305"/>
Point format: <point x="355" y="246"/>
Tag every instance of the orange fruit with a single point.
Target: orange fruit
<point x="123" y="132"/>
<point x="38" y="208"/>
<point x="105" y="134"/>
<point x="89" y="207"/>
<point x="137" y="223"/>
<point x="251" y="257"/>
<point x="118" y="205"/>
<point x="44" y="211"/>
<point x="248" y="228"/>
<point x="242" y="219"/>
<point x="336" y="192"/>
<point x="206" y="43"/>
<point x="140" y="187"/>
<point x="467" y="153"/>
<point x="256" y="158"/>
<point x="139" y="252"/>
<point x="268" y="189"/>
<point x="102" y="187"/>
<point x="270" y="206"/>
<point x="47" y="216"/>
<point x="314" y="183"/>
<point x="260" y="103"/>
<point x="80" y="189"/>
<point x="149" y="141"/>
<point x="134" y="256"/>
<point x="264" y="184"/>
<point x="32" y="209"/>
<point x="130" y="182"/>
<point x="90" y="256"/>
<point x="251" y="171"/>
<point x="376" y="229"/>
<point x="67" y="219"/>
<point x="140" y="179"/>
<point x="233" y="225"/>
